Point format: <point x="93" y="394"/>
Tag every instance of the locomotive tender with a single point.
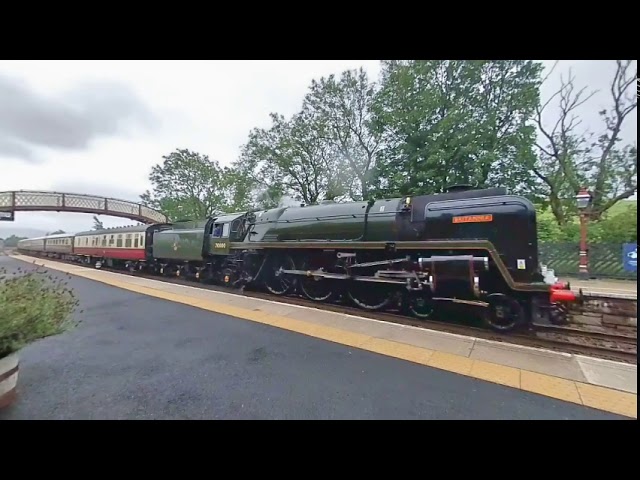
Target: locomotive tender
<point x="472" y="247"/>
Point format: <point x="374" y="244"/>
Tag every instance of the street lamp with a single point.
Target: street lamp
<point x="584" y="200"/>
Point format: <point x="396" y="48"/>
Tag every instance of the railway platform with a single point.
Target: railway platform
<point x="525" y="382"/>
<point x="615" y="288"/>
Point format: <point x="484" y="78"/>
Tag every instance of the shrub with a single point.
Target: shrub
<point x="33" y="305"/>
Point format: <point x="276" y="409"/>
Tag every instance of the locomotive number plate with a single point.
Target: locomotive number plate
<point x="219" y="245"/>
<point x="473" y="219"/>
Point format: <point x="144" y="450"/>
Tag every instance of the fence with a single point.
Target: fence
<point x="605" y="259"/>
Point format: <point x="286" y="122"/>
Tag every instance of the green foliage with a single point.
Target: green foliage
<point x="190" y="185"/>
<point x="456" y="121"/>
<point x="33" y="305"/>
<point x="619" y="225"/>
<point x="425" y="125"/>
<point x="341" y="111"/>
<point x="290" y="158"/>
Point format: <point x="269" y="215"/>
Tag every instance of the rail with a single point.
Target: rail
<point x="32" y="200"/>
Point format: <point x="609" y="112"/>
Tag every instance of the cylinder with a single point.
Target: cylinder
<point x="453" y="275"/>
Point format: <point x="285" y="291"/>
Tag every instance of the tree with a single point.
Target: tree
<point x="188" y="185"/>
<point x="452" y="122"/>
<point x="569" y="160"/>
<point x="341" y="112"/>
<point x="12" y="241"/>
<point x="290" y="158"/>
<point x="97" y="224"/>
<point x="236" y="190"/>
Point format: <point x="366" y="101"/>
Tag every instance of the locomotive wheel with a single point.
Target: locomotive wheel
<point x="280" y="284"/>
<point x="421" y="306"/>
<point x="370" y="296"/>
<point x="316" y="289"/>
<point x="503" y="313"/>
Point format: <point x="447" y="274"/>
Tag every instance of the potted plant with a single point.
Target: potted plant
<point x="33" y="305"/>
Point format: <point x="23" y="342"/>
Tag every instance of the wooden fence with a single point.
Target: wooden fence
<point x="605" y="259"/>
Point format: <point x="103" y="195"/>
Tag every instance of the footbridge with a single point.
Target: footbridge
<point x="31" y="201"/>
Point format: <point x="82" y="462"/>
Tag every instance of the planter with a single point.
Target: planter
<point x="9" y="366"/>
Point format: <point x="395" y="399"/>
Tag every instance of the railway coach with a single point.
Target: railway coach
<point x="131" y="246"/>
<point x="31" y="245"/>
<point x="52" y="246"/>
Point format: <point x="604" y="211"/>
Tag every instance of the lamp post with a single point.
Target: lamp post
<point x="584" y="200"/>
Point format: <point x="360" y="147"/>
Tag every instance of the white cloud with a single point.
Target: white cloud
<point x="207" y="106"/>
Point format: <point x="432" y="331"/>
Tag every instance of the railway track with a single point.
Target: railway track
<point x="567" y="339"/>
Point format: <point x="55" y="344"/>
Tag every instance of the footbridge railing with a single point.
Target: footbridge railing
<point x="31" y="200"/>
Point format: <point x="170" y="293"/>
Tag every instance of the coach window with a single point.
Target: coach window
<point x="119" y="241"/>
<point x="104" y="240"/>
<point x="127" y="241"/>
<point x="135" y="241"/>
<point x="112" y="240"/>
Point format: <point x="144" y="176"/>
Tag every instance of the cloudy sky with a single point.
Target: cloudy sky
<point x="99" y="126"/>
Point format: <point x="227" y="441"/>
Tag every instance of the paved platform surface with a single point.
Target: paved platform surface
<point x="149" y="349"/>
<point x="618" y="288"/>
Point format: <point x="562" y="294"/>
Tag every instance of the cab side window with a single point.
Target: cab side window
<point x="217" y="231"/>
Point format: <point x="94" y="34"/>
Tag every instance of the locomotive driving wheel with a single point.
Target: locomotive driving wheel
<point x="421" y="305"/>
<point x="370" y="295"/>
<point x="276" y="283"/>
<point x="504" y="313"/>
<point x="315" y="288"/>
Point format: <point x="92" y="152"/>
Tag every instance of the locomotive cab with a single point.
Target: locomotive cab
<point x="226" y="229"/>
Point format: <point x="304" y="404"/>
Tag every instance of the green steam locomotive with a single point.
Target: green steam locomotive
<point x="472" y="247"/>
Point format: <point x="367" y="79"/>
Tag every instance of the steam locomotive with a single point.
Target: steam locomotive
<point x="474" y="247"/>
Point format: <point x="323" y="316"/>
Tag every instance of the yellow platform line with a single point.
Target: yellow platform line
<point x="601" y="398"/>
